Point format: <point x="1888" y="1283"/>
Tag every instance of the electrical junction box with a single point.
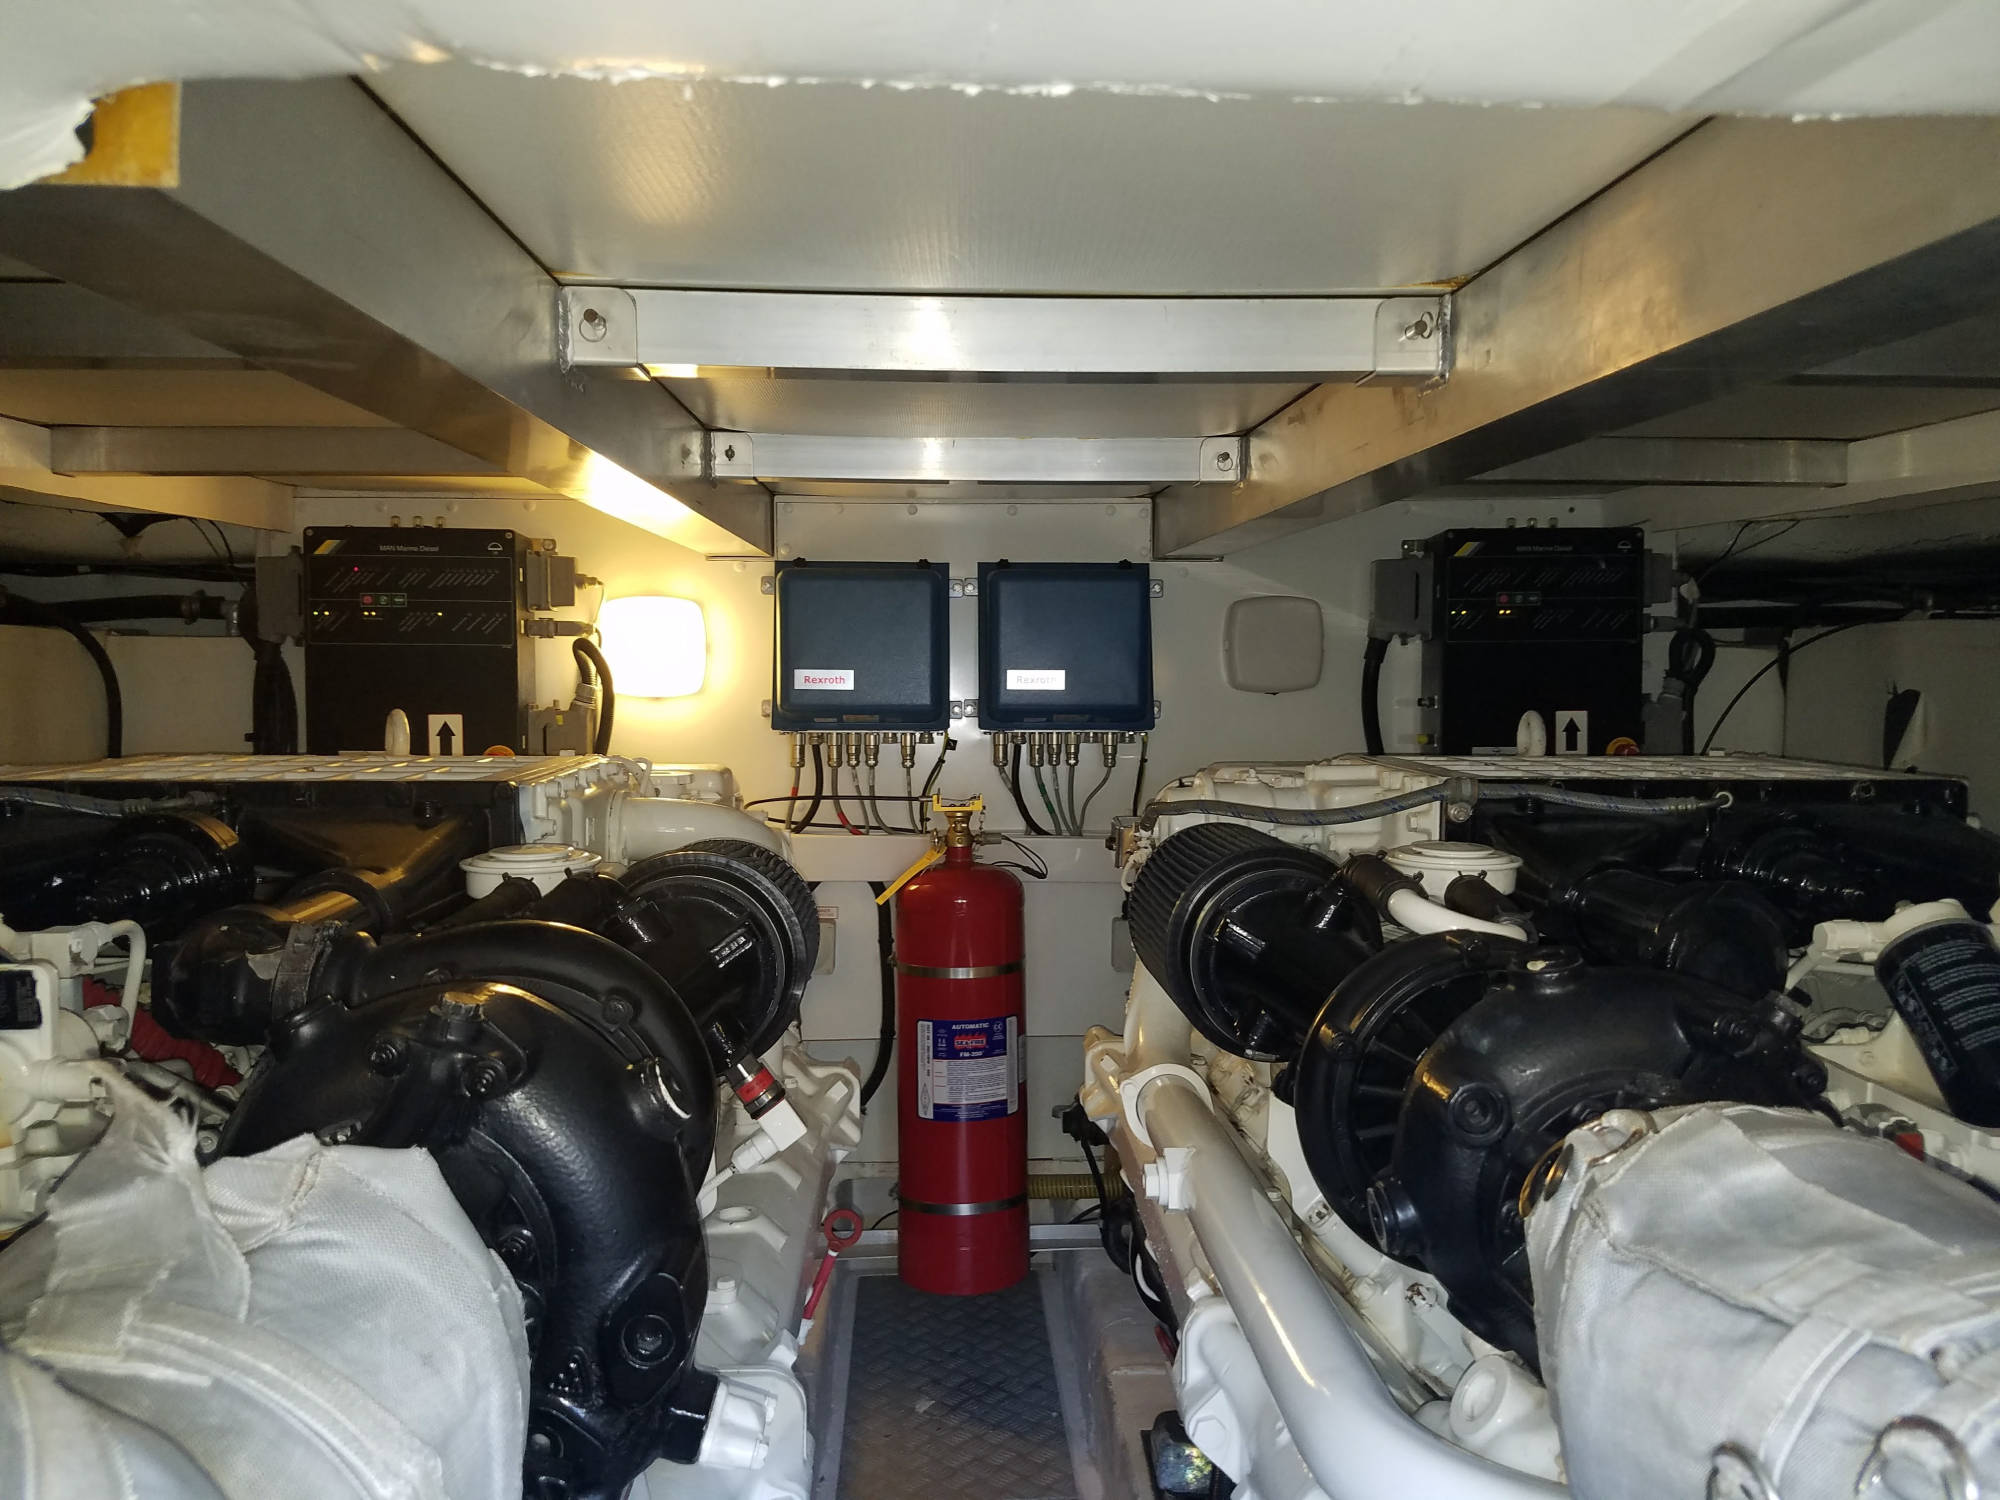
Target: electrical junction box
<point x="1065" y="646"/>
<point x="861" y="645"/>
<point x="427" y="619"/>
<point x="1524" y="619"/>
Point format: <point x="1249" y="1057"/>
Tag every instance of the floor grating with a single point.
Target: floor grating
<point x="951" y="1397"/>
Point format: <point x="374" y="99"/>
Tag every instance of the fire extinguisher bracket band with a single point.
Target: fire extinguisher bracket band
<point x="974" y="971"/>
<point x="962" y="1210"/>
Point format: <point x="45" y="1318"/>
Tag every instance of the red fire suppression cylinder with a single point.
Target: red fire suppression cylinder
<point x="961" y="1086"/>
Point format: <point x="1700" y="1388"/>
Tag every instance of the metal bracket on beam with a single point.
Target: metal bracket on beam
<point x="679" y="333"/>
<point x="596" y="325"/>
<point x="1411" y="339"/>
<point x="945" y="460"/>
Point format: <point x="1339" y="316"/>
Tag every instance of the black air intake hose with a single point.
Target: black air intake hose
<point x="1725" y="933"/>
<point x="235" y="970"/>
<point x="1248" y="934"/>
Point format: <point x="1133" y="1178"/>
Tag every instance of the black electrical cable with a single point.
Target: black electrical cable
<point x="184" y="607"/>
<point x="1690" y="654"/>
<point x="885" y="940"/>
<point x="1784" y="656"/>
<point x="586" y="653"/>
<point x="1372" y="656"/>
<point x="1013" y="780"/>
<point x="274" y="703"/>
<point x="1784" y="529"/>
<point x="21" y="611"/>
<point x="1102" y="782"/>
<point x="1139" y="775"/>
<point x="1039" y="870"/>
<point x="819" y="792"/>
<point x="773" y="801"/>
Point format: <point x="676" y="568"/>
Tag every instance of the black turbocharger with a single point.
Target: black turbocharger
<point x="564" y="1079"/>
<point x="1434" y="1073"/>
<point x="576" y="1141"/>
<point x="1429" y="1157"/>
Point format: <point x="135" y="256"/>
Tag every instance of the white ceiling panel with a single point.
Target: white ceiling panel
<point x="836" y="187"/>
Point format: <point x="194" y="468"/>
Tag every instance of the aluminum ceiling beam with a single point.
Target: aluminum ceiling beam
<point x="312" y="236"/>
<point x="256" y="450"/>
<point x="27" y="469"/>
<point x="971" y="460"/>
<point x="814" y="333"/>
<point x="1697" y="461"/>
<point x="50" y="325"/>
<point x="1747" y="251"/>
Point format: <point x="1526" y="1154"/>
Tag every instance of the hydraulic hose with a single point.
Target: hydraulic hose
<point x="1456" y="790"/>
<point x="588" y="657"/>
<point x="1372" y="657"/>
<point x="1302" y="817"/>
<point x="1610" y="802"/>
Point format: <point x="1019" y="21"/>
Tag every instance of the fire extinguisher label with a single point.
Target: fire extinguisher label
<point x="968" y="1070"/>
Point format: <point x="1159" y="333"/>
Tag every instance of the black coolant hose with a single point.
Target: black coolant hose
<point x="885" y="1047"/>
<point x="1372" y="656"/>
<point x="591" y="661"/>
<point x="19" y="611"/>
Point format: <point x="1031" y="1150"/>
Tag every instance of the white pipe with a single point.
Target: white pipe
<point x="135" y="961"/>
<point x="640" y="826"/>
<point x="1415" y="911"/>
<point x="1359" y="1444"/>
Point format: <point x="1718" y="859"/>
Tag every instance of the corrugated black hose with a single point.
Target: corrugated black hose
<point x="590" y="659"/>
<point x="1372" y="657"/>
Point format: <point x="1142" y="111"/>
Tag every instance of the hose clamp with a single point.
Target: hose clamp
<point x="1130" y="1088"/>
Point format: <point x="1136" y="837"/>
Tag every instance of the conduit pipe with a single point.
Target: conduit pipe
<point x="1358" y="1443"/>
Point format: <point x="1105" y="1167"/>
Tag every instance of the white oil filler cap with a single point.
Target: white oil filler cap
<point x="548" y="865"/>
<point x="1438" y="862"/>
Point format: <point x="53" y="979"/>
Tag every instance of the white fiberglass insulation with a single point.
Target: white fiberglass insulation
<point x="1806" y="57"/>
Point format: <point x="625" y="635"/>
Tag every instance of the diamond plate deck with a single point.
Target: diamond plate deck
<point x="952" y="1397"/>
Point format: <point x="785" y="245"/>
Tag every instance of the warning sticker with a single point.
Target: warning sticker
<point x="968" y="1070"/>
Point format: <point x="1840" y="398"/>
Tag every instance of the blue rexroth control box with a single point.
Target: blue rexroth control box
<point x="861" y="645"/>
<point x="1065" y="646"/>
